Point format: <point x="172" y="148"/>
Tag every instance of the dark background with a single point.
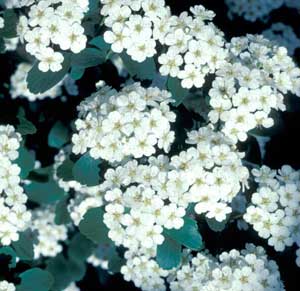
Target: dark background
<point x="284" y="147"/>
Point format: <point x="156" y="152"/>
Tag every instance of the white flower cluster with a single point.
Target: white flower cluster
<point x="216" y="172"/>
<point x="144" y="198"/>
<point x="246" y="270"/>
<point x="49" y="234"/>
<point x="6" y="286"/>
<point x="14" y="216"/>
<point x="193" y="46"/>
<point x="283" y="35"/>
<point x="85" y="197"/>
<point x="19" y="85"/>
<point x="53" y="22"/>
<point x="251" y="84"/>
<point x="113" y="125"/>
<point x="144" y="272"/>
<point x="252" y="10"/>
<point x="275" y="209"/>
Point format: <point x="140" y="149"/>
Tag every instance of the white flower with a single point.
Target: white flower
<point x="73" y="38"/>
<point x="191" y="76"/>
<point x="118" y="37"/>
<point x="50" y="60"/>
<point x="170" y="63"/>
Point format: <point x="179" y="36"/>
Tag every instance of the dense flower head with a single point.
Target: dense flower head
<point x="192" y="45"/>
<point x="142" y="198"/>
<point x="49" y="234"/>
<point x="14" y="216"/>
<point x="52" y="23"/>
<point x="144" y="272"/>
<point x="274" y="210"/>
<point x="251" y="84"/>
<point x="133" y="122"/>
<point x="248" y="269"/>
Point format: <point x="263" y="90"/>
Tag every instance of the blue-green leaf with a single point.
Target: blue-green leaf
<point x="25" y="126"/>
<point x="10" y="24"/>
<point x="25" y="161"/>
<point x="188" y="235"/>
<point x="100" y="44"/>
<point x="62" y="215"/>
<point x="35" y="279"/>
<point x="178" y="93"/>
<point x="39" y="82"/>
<point x="168" y="254"/>
<point x="216" y="225"/>
<point x="24" y="246"/>
<point x="77" y="72"/>
<point x="58" y="135"/>
<point x="44" y="193"/>
<point x="64" y="171"/>
<point x="143" y="71"/>
<point x="87" y="58"/>
<point x="86" y="170"/>
<point x="93" y="227"/>
<point x="80" y="248"/>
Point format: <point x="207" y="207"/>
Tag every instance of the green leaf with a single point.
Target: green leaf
<point x="64" y="271"/>
<point x="35" y="279"/>
<point x="25" y="126"/>
<point x="76" y="73"/>
<point x="64" y="171"/>
<point x="10" y="24"/>
<point x="168" y="254"/>
<point x="93" y="8"/>
<point x="59" y="269"/>
<point x="107" y="251"/>
<point x="44" y="193"/>
<point x="144" y="71"/>
<point x="62" y="215"/>
<point x="39" y="82"/>
<point x="93" y="227"/>
<point x="178" y="93"/>
<point x="86" y="170"/>
<point x="25" y="161"/>
<point x="188" y="235"/>
<point x="100" y="44"/>
<point x="58" y="135"/>
<point x="8" y="251"/>
<point x="24" y="246"/>
<point x="80" y="248"/>
<point x="115" y="263"/>
<point x="87" y="58"/>
<point x="215" y="225"/>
